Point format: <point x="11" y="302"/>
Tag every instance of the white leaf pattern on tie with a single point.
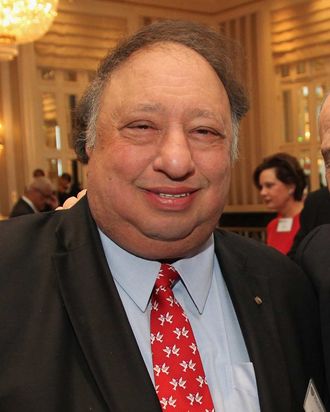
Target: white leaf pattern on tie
<point x="179" y="375"/>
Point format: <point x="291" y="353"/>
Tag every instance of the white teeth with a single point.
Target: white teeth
<point x="168" y="195"/>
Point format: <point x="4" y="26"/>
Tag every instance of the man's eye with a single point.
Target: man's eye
<point x="139" y="126"/>
<point x="207" y="132"/>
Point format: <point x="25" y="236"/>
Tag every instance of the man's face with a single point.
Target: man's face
<point x="40" y="198"/>
<point x="325" y="136"/>
<point x="159" y="173"/>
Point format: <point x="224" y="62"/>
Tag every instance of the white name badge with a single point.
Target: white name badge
<point x="284" y="224"/>
<point x="313" y="401"/>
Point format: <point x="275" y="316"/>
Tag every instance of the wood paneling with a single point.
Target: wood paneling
<point x="301" y="32"/>
<point x="244" y="29"/>
<point x="203" y="6"/>
<point x="78" y="40"/>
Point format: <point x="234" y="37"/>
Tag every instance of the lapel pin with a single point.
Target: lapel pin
<point x="258" y="300"/>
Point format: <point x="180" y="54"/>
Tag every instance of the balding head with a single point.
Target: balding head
<point x="40" y="192"/>
<point x="324" y="127"/>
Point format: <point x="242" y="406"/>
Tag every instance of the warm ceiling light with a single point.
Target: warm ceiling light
<point x="23" y="21"/>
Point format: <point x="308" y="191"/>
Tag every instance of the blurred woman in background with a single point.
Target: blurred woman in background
<point x="281" y="182"/>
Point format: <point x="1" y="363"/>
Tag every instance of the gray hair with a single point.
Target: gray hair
<point x="218" y="50"/>
<point x="40" y="183"/>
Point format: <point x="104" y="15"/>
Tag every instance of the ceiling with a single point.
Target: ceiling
<point x="202" y="6"/>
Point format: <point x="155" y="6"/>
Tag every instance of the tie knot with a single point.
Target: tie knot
<point x="167" y="276"/>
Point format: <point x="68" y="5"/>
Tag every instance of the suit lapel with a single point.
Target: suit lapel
<point x="245" y="281"/>
<point x="97" y="315"/>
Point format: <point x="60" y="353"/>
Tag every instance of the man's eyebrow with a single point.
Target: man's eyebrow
<point x="203" y="113"/>
<point x="138" y="109"/>
<point x="159" y="108"/>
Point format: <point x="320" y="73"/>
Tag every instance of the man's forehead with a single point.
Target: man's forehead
<point x="142" y="71"/>
<point x="156" y="107"/>
<point x="146" y="56"/>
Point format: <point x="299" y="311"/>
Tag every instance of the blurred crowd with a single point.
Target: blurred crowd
<point x="41" y="195"/>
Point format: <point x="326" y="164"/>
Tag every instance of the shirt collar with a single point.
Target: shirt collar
<point x="137" y="276"/>
<point x="29" y="202"/>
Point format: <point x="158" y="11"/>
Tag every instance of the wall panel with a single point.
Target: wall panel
<point x="77" y="40"/>
<point x="245" y="30"/>
<point x="301" y="31"/>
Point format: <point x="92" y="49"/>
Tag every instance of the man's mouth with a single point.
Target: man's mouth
<point x="170" y="198"/>
<point x="173" y="196"/>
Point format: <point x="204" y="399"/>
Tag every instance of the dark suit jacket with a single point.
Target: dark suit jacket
<point x="21" y="208"/>
<point x="313" y="255"/>
<point x="316" y="212"/>
<point x="66" y="344"/>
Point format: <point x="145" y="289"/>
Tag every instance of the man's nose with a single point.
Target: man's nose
<point x="175" y="157"/>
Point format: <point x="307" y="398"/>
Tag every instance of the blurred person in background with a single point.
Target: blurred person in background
<point x="281" y="182"/>
<point x="66" y="188"/>
<point x="38" y="196"/>
<point x="38" y="173"/>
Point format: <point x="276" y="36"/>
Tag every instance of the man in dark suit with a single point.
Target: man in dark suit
<point x="313" y="252"/>
<point x="38" y="196"/>
<point x="316" y="212"/>
<point x="158" y="129"/>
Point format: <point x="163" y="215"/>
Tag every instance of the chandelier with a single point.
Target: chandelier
<point x="23" y="21"/>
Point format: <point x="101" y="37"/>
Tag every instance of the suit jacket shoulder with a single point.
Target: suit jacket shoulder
<point x="21" y="208"/>
<point x="313" y="256"/>
<point x="316" y="212"/>
<point x="316" y="208"/>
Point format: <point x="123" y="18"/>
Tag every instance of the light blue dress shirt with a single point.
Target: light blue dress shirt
<point x="204" y="297"/>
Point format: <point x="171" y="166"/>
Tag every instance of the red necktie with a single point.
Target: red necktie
<point x="179" y="375"/>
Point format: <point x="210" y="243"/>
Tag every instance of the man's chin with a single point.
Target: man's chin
<point x="169" y="234"/>
<point x="169" y="246"/>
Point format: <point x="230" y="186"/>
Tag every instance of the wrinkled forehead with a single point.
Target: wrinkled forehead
<point x="166" y="65"/>
<point x="160" y="51"/>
